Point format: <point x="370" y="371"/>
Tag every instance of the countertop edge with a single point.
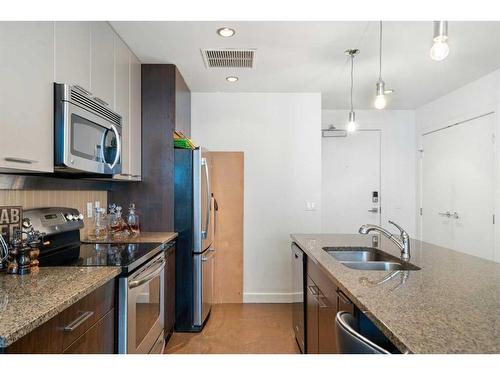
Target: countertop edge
<point x="144" y="237"/>
<point x="380" y="325"/>
<point x="38" y="321"/>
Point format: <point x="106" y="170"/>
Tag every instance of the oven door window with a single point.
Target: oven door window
<point x="147" y="308"/>
<point x="88" y="140"/>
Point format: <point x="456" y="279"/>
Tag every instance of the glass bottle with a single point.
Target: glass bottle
<point x="133" y="219"/>
<point x="101" y="224"/>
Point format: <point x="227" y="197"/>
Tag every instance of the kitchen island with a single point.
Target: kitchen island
<point x="28" y="301"/>
<point x="450" y="305"/>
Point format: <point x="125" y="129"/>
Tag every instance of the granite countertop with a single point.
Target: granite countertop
<point x="28" y="301"/>
<point x="451" y="305"/>
<point x="143" y="237"/>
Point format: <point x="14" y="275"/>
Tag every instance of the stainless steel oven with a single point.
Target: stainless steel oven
<point x="141" y="309"/>
<point x="87" y="134"/>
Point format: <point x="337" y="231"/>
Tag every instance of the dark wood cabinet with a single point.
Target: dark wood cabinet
<point x="324" y="301"/>
<point x="327" y="310"/>
<point x="312" y="308"/>
<point x="169" y="292"/>
<point x="98" y="339"/>
<point x="166" y="106"/>
<point x="87" y="326"/>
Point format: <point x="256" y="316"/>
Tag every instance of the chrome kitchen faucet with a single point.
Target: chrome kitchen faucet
<point x="403" y="242"/>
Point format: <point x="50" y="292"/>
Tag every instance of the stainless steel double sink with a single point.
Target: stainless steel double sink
<point x="369" y="259"/>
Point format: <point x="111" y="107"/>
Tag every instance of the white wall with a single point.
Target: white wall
<point x="474" y="99"/>
<point x="397" y="160"/>
<point x="279" y="134"/>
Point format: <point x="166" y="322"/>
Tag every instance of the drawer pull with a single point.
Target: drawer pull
<point x="20" y="160"/>
<point x="78" y="321"/>
<point x="321" y="302"/>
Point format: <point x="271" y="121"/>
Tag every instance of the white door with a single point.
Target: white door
<point x="458" y="187"/>
<point x="350" y="179"/>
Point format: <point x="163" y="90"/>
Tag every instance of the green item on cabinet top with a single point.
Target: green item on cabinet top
<point x="182" y="143"/>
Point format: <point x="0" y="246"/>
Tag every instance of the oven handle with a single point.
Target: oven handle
<point x="148" y="277"/>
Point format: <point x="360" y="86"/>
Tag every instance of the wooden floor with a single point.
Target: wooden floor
<point x="240" y="328"/>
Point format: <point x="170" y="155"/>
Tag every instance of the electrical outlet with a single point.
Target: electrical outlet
<point x="90" y="209"/>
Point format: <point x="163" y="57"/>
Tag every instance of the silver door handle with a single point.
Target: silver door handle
<point x="455" y="215"/>
<point x="446" y="214"/>
<point x="374" y="210"/>
<point x="204" y="233"/>
<point x="20" y="160"/>
<point x="78" y="321"/>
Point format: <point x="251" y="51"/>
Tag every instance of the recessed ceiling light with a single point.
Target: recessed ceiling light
<point x="226" y="32"/>
<point x="231" y="79"/>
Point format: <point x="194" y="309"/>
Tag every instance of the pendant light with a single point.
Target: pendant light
<point x="380" y="91"/>
<point x="351" y="124"/>
<point x="440" y="48"/>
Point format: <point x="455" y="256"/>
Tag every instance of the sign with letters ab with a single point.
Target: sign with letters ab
<point x="10" y="218"/>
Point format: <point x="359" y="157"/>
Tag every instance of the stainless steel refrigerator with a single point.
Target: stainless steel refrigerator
<point x="194" y="221"/>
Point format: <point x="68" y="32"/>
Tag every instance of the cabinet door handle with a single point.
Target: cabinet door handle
<point x="20" y="160"/>
<point x="78" y="321"/>
<point x="321" y="302"/>
<point x="313" y="289"/>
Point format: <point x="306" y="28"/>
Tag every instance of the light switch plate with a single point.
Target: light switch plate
<point x="310" y="206"/>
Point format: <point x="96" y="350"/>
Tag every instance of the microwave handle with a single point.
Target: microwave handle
<point x="118" y="147"/>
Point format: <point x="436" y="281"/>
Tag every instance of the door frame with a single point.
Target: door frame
<point x="496" y="173"/>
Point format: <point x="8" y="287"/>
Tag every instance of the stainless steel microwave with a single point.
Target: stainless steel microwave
<point x="87" y="134"/>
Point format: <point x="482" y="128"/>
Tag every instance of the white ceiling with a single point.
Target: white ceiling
<point x="309" y="57"/>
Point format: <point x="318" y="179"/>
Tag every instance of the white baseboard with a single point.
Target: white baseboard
<point x="271" y="297"/>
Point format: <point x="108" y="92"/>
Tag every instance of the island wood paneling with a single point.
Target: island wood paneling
<point x="227" y="181"/>
<point x="55" y="198"/>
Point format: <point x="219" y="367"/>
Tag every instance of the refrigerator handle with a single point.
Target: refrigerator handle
<point x="204" y="233"/>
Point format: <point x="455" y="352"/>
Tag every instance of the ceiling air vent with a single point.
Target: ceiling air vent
<point x="229" y="58"/>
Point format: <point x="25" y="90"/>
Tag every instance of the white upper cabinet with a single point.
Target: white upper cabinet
<point x="26" y="96"/>
<point x="72" y="53"/>
<point x="128" y="104"/>
<point x="91" y="55"/>
<point x="102" y="62"/>
<point x="135" y="119"/>
<point x="122" y="93"/>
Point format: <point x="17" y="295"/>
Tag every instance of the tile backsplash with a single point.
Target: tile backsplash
<point x="52" y="198"/>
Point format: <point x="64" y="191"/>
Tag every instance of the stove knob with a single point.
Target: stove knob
<point x="80" y="217"/>
<point x="69" y="217"/>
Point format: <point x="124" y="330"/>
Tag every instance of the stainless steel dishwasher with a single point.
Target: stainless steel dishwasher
<point x="298" y="259"/>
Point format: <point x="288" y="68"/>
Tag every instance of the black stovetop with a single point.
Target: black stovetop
<point x="126" y="256"/>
